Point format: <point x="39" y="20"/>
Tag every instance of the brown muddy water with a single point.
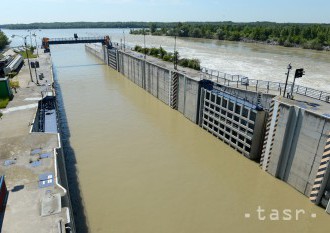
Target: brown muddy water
<point x="144" y="168"/>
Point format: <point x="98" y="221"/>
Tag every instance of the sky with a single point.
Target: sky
<point x="295" y="11"/>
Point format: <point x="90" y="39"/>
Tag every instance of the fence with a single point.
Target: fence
<point x="243" y="82"/>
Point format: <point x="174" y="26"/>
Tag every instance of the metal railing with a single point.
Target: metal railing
<point x="74" y="39"/>
<point x="242" y="82"/>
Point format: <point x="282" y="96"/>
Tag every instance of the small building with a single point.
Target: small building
<point x="5" y="90"/>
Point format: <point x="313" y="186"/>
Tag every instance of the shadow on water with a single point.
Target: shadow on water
<point x="70" y="161"/>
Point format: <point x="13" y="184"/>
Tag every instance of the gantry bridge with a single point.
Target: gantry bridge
<point x="75" y="40"/>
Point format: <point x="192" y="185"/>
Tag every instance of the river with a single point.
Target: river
<point x="256" y="61"/>
<point x="144" y="168"/>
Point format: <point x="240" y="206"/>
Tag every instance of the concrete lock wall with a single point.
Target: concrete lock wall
<point x="296" y="143"/>
<point x="96" y="50"/>
<point x="248" y="95"/>
<point x="188" y="97"/>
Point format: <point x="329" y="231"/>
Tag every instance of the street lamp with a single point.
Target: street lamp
<point x="287" y="77"/>
<point x="35" y="38"/>
<point x="144" y="40"/>
<point x="175" y="52"/>
<point x="26" y="51"/>
<point x="124" y="39"/>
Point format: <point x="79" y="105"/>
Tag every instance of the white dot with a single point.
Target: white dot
<point x="313" y="215"/>
<point x="247" y="215"/>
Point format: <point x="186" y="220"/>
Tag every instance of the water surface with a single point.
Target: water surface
<point x="144" y="168"/>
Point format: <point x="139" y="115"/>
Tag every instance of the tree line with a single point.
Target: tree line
<point x="169" y="57"/>
<point x="309" y="36"/>
<point x="68" y="25"/>
<point x="4" y="41"/>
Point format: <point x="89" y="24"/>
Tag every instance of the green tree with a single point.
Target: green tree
<point x="3" y="40"/>
<point x="153" y="28"/>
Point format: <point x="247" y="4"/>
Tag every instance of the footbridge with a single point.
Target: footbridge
<point x="46" y="42"/>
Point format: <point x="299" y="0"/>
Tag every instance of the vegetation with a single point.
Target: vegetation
<point x="14" y="84"/>
<point x="29" y="52"/>
<point x="3" y="40"/>
<point x="4" y="103"/>
<point x="166" y="56"/>
<point x="309" y="36"/>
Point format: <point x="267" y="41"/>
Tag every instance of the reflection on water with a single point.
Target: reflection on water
<point x="144" y="168"/>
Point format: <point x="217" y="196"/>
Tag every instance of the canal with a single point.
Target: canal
<point x="144" y="168"/>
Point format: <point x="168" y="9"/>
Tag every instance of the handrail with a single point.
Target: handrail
<point x="74" y="39"/>
<point x="256" y="85"/>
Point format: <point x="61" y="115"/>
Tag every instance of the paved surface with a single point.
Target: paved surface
<point x="28" y="197"/>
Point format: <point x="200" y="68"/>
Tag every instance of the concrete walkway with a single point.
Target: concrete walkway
<point x="27" y="200"/>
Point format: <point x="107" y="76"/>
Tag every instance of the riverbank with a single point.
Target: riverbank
<point x="285" y="44"/>
<point x="31" y="157"/>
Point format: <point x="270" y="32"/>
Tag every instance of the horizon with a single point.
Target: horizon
<point x="166" y="11"/>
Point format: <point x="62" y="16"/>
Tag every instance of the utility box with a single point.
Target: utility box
<point x="5" y="90"/>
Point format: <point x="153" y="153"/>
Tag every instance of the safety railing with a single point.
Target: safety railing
<point x="256" y="85"/>
<point x="73" y="39"/>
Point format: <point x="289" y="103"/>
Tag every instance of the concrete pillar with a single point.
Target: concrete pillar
<point x="169" y="87"/>
<point x="271" y="126"/>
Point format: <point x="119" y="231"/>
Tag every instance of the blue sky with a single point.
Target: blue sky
<point x="28" y="11"/>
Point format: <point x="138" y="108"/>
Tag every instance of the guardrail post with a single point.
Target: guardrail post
<point x="257" y="85"/>
<point x="321" y="94"/>
<point x="267" y="87"/>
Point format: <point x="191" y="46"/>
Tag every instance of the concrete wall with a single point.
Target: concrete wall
<point x="248" y="95"/>
<point x="158" y="81"/>
<point x="96" y="50"/>
<point x="188" y="97"/>
<point x="298" y="143"/>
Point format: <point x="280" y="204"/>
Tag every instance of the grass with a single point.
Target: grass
<point x="14" y="84"/>
<point x="31" y="55"/>
<point x="4" y="103"/>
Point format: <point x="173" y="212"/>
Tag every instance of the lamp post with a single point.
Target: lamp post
<point x="175" y="60"/>
<point x="287" y="78"/>
<point x="26" y="51"/>
<point x="35" y="38"/>
<point x="144" y="41"/>
<point x="30" y="31"/>
<point x="124" y="39"/>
